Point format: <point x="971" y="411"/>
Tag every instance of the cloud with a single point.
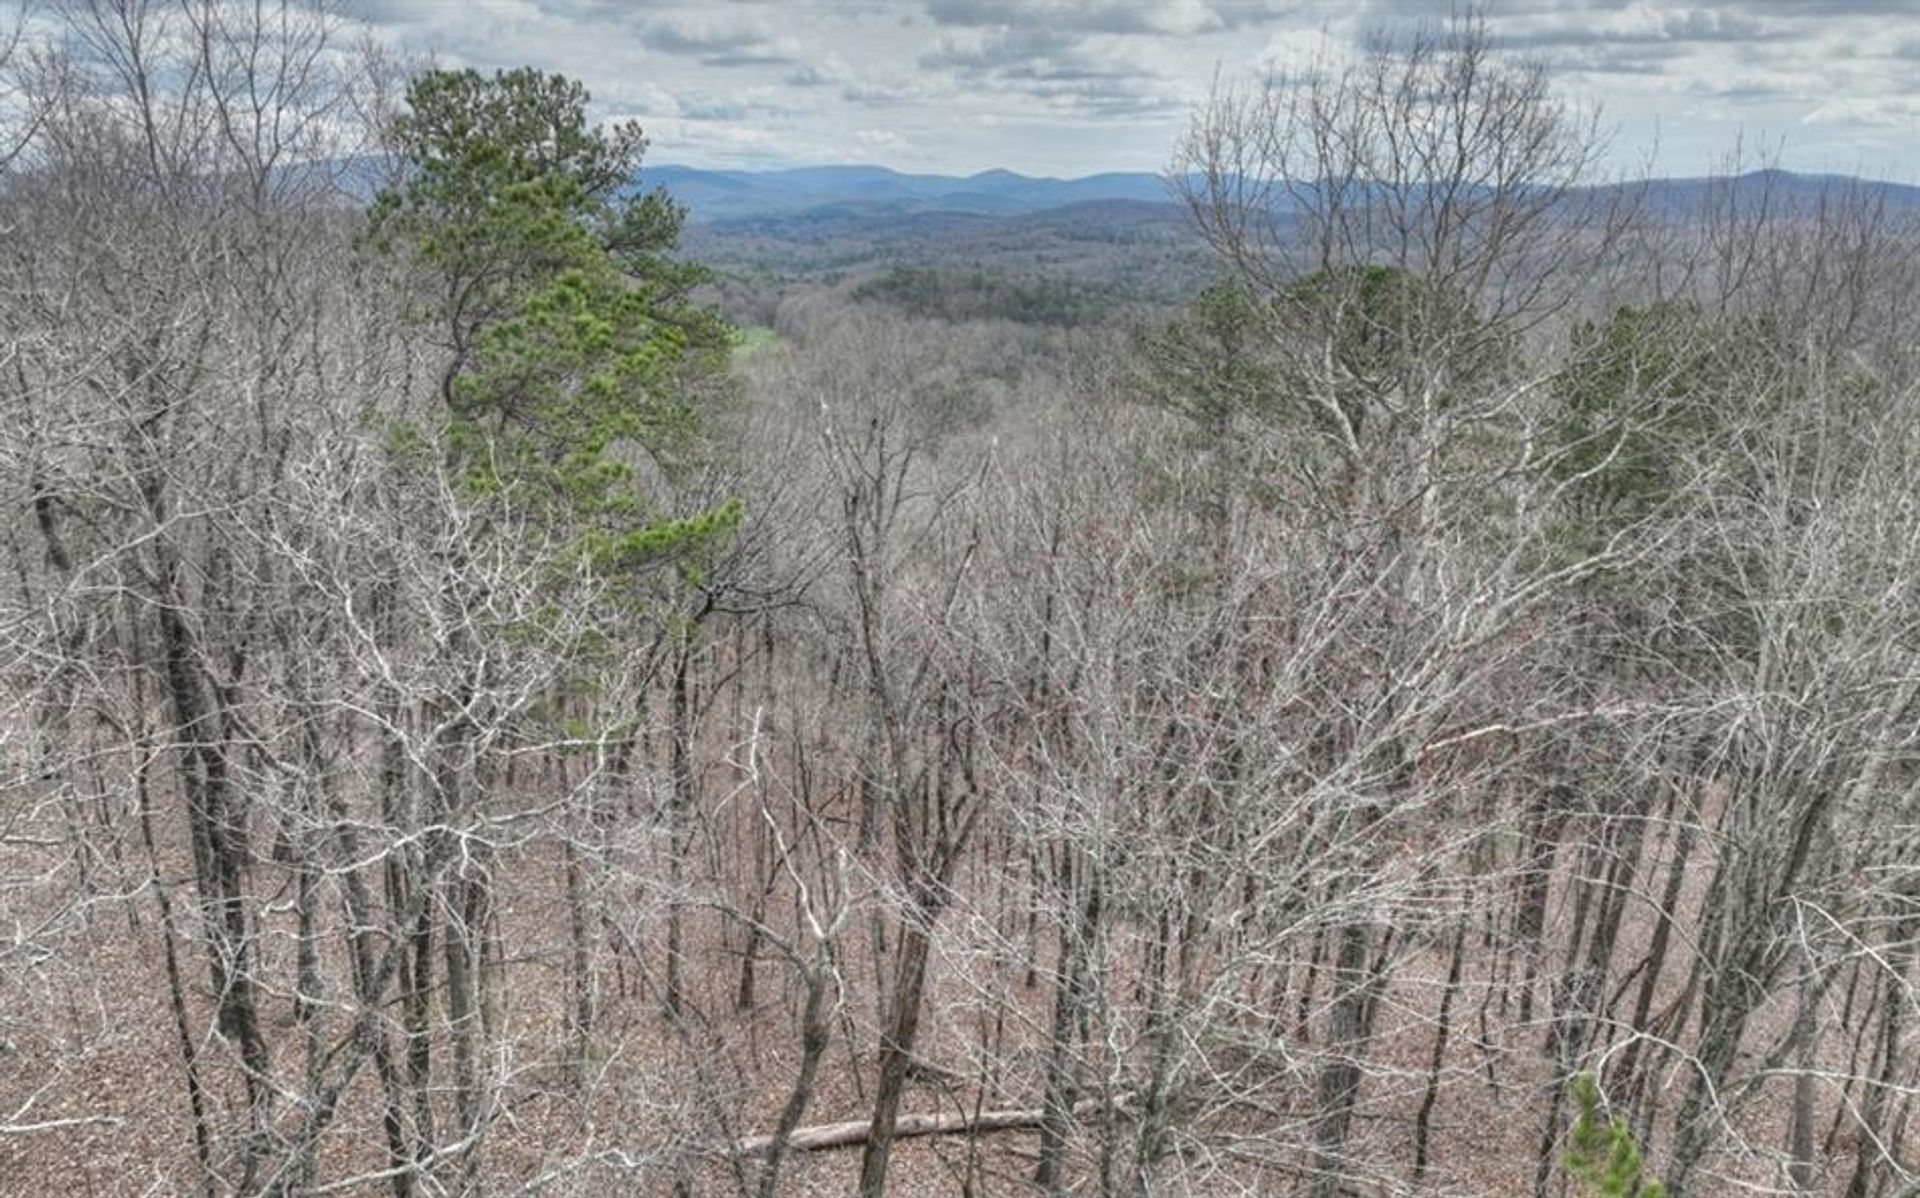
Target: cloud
<point x="1608" y="60"/>
<point x="1177" y="17"/>
<point x="1739" y="91"/>
<point x="825" y="73"/>
<point x="753" y="105"/>
<point x="1832" y="8"/>
<point x="1298" y="53"/>
<point x="1089" y="75"/>
<point x="1893" y="112"/>
<point x="1109" y="98"/>
<point x="719" y="42"/>
<point x="1051" y="86"/>
<point x="885" y="94"/>
<point x="878" y="139"/>
<point x="999" y="50"/>
<point x="776" y="55"/>
<point x="1015" y="54"/>
<point x="1637" y="28"/>
<point x="736" y="144"/>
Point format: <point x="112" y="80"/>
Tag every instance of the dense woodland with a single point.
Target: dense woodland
<point x="1437" y="713"/>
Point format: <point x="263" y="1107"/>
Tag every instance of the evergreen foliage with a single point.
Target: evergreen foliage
<point x="1633" y="411"/>
<point x="1390" y="333"/>
<point x="1602" y="1152"/>
<point x="575" y="352"/>
<point x="1209" y="363"/>
<point x="933" y="293"/>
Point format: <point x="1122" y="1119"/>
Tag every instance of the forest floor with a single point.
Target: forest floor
<point x="91" y="1065"/>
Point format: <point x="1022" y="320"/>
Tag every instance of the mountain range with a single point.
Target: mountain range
<point x="717" y="195"/>
<point x="856" y="192"/>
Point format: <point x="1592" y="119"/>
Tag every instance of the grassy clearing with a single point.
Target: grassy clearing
<point x="753" y="340"/>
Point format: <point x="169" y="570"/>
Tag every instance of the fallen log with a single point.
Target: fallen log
<point x="856" y="1131"/>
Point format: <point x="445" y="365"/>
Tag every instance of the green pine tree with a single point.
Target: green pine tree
<point x="1602" y="1152"/>
<point x="574" y="348"/>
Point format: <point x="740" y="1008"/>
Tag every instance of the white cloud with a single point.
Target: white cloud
<point x="1072" y="86"/>
<point x="1893" y="112"/>
<point x="1175" y="17"/>
<point x="878" y="139"/>
<point x="1293" y="53"/>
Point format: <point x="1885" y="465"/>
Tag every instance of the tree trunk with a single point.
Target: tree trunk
<point x="1070" y="997"/>
<point x="860" y="1131"/>
<point x="896" y="1055"/>
<point x="219" y="834"/>
<point x="1804" y="1166"/>
<point x="815" y="1033"/>
<point x="1340" y="1077"/>
<point x="1423" y="1122"/>
<point x="681" y="805"/>
<point x="579" y="966"/>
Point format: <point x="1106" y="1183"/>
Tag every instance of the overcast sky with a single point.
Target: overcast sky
<point x="1070" y="87"/>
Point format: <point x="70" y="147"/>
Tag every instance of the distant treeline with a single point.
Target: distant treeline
<point x="934" y="293"/>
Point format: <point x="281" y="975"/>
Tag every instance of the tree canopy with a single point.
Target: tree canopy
<point x="575" y="352"/>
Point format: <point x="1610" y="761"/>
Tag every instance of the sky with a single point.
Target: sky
<point x="1073" y="87"/>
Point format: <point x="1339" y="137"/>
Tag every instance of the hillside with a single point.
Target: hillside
<point x="889" y="685"/>
<point x="1126" y="232"/>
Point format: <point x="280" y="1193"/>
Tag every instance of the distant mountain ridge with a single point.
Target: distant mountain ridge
<point x="719" y="195"/>
<point x="843" y="193"/>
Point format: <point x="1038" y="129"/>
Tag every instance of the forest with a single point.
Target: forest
<point x="491" y="704"/>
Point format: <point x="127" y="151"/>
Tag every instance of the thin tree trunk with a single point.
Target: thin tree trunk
<point x="1423" y="1122"/>
<point x="1657" y="952"/>
<point x="1070" y="997"/>
<point x="176" y="987"/>
<point x="1869" y="1163"/>
<point x="579" y="971"/>
<point x="896" y="1055"/>
<point x="219" y="836"/>
<point x="1339" y="1085"/>
<point x="1803" y="1168"/>
<point x="815" y="1034"/>
<point x="682" y="803"/>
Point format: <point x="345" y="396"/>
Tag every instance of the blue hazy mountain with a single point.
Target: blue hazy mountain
<point x="842" y="194"/>
<point x="719" y="195"/>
